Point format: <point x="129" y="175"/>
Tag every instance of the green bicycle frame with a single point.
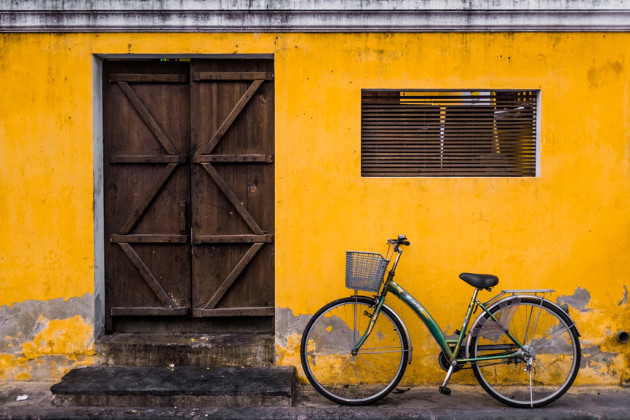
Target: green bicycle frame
<point x="392" y="287"/>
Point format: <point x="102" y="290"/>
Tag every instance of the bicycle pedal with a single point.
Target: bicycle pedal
<point x="445" y="390"/>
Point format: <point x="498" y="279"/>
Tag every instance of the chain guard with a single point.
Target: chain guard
<point x="445" y="364"/>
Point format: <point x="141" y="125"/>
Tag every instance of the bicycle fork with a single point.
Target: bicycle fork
<point x="377" y="310"/>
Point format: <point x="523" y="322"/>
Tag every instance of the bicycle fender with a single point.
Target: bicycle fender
<point x="569" y="320"/>
<point x="562" y="311"/>
<point x="405" y="331"/>
<point x="510" y="300"/>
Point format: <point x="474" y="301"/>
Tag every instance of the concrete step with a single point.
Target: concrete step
<point x="202" y="350"/>
<point x="183" y="386"/>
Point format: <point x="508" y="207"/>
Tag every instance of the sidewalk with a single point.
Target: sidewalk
<point x="466" y="402"/>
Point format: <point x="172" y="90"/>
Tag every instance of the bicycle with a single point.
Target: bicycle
<point x="523" y="349"/>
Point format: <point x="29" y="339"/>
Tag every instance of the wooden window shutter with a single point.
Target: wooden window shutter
<point x="476" y="133"/>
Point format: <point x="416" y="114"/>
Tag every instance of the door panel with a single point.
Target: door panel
<point x="147" y="178"/>
<point x="232" y="188"/>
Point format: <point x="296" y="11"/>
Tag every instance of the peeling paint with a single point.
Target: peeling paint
<point x="579" y="300"/>
<point x="603" y="359"/>
<point x="602" y="365"/>
<point x="42" y="340"/>
<point x="624" y="300"/>
<point x="289" y="330"/>
<point x="594" y="357"/>
<point x="21" y="322"/>
<point x="70" y="336"/>
<point x="423" y="370"/>
<point x="288" y="324"/>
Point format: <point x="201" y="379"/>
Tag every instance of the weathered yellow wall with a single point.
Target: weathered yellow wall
<point x="567" y="229"/>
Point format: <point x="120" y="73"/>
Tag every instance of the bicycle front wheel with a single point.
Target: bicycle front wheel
<point x="540" y="374"/>
<point x="327" y="357"/>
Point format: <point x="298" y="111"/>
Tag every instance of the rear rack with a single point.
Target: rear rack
<point x="513" y="292"/>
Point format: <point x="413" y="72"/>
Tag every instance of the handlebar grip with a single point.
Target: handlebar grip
<point x="402" y="240"/>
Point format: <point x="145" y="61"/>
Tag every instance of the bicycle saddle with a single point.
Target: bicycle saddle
<point x="480" y="281"/>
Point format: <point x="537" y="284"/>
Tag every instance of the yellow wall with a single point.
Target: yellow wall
<point x="567" y="229"/>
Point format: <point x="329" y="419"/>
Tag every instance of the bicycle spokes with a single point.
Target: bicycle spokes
<point x="342" y="374"/>
<point x="543" y="368"/>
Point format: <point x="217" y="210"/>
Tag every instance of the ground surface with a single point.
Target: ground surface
<point x="467" y="402"/>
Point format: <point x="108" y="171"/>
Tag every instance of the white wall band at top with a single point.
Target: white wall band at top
<point x="315" y="16"/>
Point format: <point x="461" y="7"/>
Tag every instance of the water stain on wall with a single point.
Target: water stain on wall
<point x="600" y="74"/>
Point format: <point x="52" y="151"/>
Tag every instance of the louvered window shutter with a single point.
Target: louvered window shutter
<point x="413" y="133"/>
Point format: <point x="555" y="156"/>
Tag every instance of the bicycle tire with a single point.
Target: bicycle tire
<point x="551" y="336"/>
<point x="326" y="352"/>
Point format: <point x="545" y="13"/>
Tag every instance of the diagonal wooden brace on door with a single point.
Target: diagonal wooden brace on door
<point x="207" y="160"/>
<point x="229" y="281"/>
<point x="148" y="277"/>
<point x="158" y="133"/>
<point x="231" y="117"/>
<point x="148" y="119"/>
<point x="148" y="198"/>
<point x="123" y="238"/>
<point x="238" y="205"/>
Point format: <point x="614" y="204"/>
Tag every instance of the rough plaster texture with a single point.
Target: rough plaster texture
<point x="40" y="340"/>
<point x="22" y="321"/>
<point x="287" y="324"/>
<point x="580" y="199"/>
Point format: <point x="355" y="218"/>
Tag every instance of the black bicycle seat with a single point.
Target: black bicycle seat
<point x="480" y="281"/>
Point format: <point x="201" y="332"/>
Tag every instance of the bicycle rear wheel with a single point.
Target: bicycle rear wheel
<point x="549" y="337"/>
<point x="329" y="364"/>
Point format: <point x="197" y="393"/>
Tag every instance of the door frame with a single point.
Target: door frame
<point x="97" y="154"/>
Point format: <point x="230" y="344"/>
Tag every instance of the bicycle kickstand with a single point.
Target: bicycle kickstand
<point x="444" y="389"/>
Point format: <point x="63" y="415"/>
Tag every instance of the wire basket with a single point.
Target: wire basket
<point x="365" y="270"/>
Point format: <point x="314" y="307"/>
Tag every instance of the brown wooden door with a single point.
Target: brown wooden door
<point x="181" y="140"/>
<point x="233" y="188"/>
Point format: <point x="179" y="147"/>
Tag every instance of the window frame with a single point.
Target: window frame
<point x="527" y="160"/>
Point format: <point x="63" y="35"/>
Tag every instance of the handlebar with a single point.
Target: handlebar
<point x="401" y="240"/>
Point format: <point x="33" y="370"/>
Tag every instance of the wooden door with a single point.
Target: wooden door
<point x="233" y="188"/>
<point x="147" y="188"/>
<point x="189" y="192"/>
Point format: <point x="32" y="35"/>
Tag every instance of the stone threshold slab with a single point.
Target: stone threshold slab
<point x="183" y="386"/>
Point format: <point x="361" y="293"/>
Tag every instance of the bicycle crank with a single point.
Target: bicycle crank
<point x="445" y="364"/>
